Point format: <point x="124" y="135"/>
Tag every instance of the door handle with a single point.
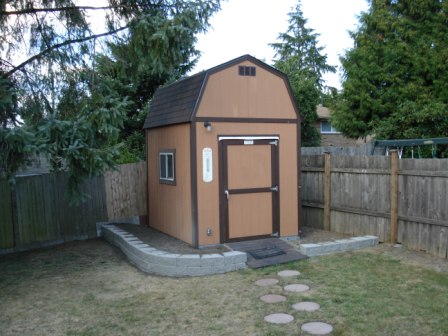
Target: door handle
<point x="226" y="192"/>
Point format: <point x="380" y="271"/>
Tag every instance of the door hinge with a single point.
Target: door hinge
<point x="274" y="188"/>
<point x="275" y="234"/>
<point x="275" y="143"/>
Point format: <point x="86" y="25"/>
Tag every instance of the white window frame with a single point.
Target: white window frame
<point x="167" y="167"/>
<point x="332" y="129"/>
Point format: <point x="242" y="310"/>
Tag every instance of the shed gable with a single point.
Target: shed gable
<point x="262" y="94"/>
<point x="242" y="88"/>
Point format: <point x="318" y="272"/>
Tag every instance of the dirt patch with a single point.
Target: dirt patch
<point x="409" y="257"/>
<point x="312" y="235"/>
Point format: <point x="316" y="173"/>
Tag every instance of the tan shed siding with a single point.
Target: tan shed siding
<point x="230" y="95"/>
<point x="170" y="205"/>
<point x="208" y="193"/>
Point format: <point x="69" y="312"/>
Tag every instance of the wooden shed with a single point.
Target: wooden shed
<point x="223" y="155"/>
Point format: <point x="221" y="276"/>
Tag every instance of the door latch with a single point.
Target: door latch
<point x="226" y="192"/>
<point x="274" y="189"/>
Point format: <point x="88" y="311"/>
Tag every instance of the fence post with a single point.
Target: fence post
<point x="393" y="196"/>
<point x="327" y="191"/>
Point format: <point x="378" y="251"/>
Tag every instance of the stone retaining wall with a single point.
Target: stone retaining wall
<point x="340" y="245"/>
<point x="154" y="261"/>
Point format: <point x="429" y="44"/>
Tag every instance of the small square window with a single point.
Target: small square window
<point x="166" y="166"/>
<point x="252" y="71"/>
<point x="247" y="70"/>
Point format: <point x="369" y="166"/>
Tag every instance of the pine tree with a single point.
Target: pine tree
<point x="300" y="57"/>
<point x="69" y="91"/>
<point x="396" y="75"/>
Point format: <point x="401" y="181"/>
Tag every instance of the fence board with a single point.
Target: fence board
<point x="38" y="212"/>
<point x="6" y="216"/>
<point x="126" y="191"/>
<point x="361" y="204"/>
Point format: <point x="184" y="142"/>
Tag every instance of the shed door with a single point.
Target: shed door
<point x="249" y="195"/>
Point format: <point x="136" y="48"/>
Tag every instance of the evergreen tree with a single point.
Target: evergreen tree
<point x="299" y="56"/>
<point x="72" y="91"/>
<point x="396" y="75"/>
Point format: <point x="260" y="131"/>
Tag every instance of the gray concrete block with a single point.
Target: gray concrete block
<point x="338" y="245"/>
<point x="189" y="260"/>
<point x="239" y="266"/>
<point x="169" y="259"/>
<point x="212" y="260"/>
<point x="149" y="249"/>
<point x="165" y="270"/>
<point x="221" y="269"/>
<point x="140" y="251"/>
<point x="154" y="261"/>
<point x="199" y="271"/>
<point x="234" y="257"/>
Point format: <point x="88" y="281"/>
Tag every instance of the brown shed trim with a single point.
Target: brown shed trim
<point x="194" y="186"/>
<point x="248" y="120"/>
<point x="223" y="143"/>
<point x="299" y="180"/>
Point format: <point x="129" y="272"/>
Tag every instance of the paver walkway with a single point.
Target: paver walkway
<point x="317" y="328"/>
<point x="306" y="306"/>
<point x="310" y="328"/>
<point x="272" y="298"/>
<point x="266" y="282"/>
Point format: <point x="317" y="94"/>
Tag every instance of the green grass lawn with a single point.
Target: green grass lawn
<point x="88" y="288"/>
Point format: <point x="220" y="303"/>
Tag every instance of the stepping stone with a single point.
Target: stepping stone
<point x="317" y="328"/>
<point x="272" y="298"/>
<point x="306" y="306"/>
<point x="288" y="273"/>
<point x="266" y="282"/>
<point x="279" y="318"/>
<point x="297" y="288"/>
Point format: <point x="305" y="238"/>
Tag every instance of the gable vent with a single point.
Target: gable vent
<point x="246" y="70"/>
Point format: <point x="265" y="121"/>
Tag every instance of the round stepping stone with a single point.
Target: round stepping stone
<point x="306" y="306"/>
<point x="279" y="318"/>
<point x="272" y="298"/>
<point x="317" y="328"/>
<point x="288" y="273"/>
<point x="297" y="288"/>
<point x="266" y="282"/>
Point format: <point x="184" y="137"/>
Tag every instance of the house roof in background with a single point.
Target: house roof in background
<point x="177" y="103"/>
<point x="323" y="112"/>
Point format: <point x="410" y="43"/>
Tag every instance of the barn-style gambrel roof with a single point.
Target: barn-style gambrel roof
<point x="176" y="103"/>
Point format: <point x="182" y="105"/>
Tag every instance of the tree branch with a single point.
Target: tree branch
<point x="59" y="45"/>
<point x="67" y="8"/>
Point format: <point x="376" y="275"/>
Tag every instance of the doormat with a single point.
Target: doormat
<point x="282" y="253"/>
<point x="266" y="252"/>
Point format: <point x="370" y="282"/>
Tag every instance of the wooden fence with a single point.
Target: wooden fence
<point x="404" y="201"/>
<point x="365" y="149"/>
<point x="36" y="212"/>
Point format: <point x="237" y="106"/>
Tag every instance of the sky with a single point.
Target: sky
<point x="248" y="26"/>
